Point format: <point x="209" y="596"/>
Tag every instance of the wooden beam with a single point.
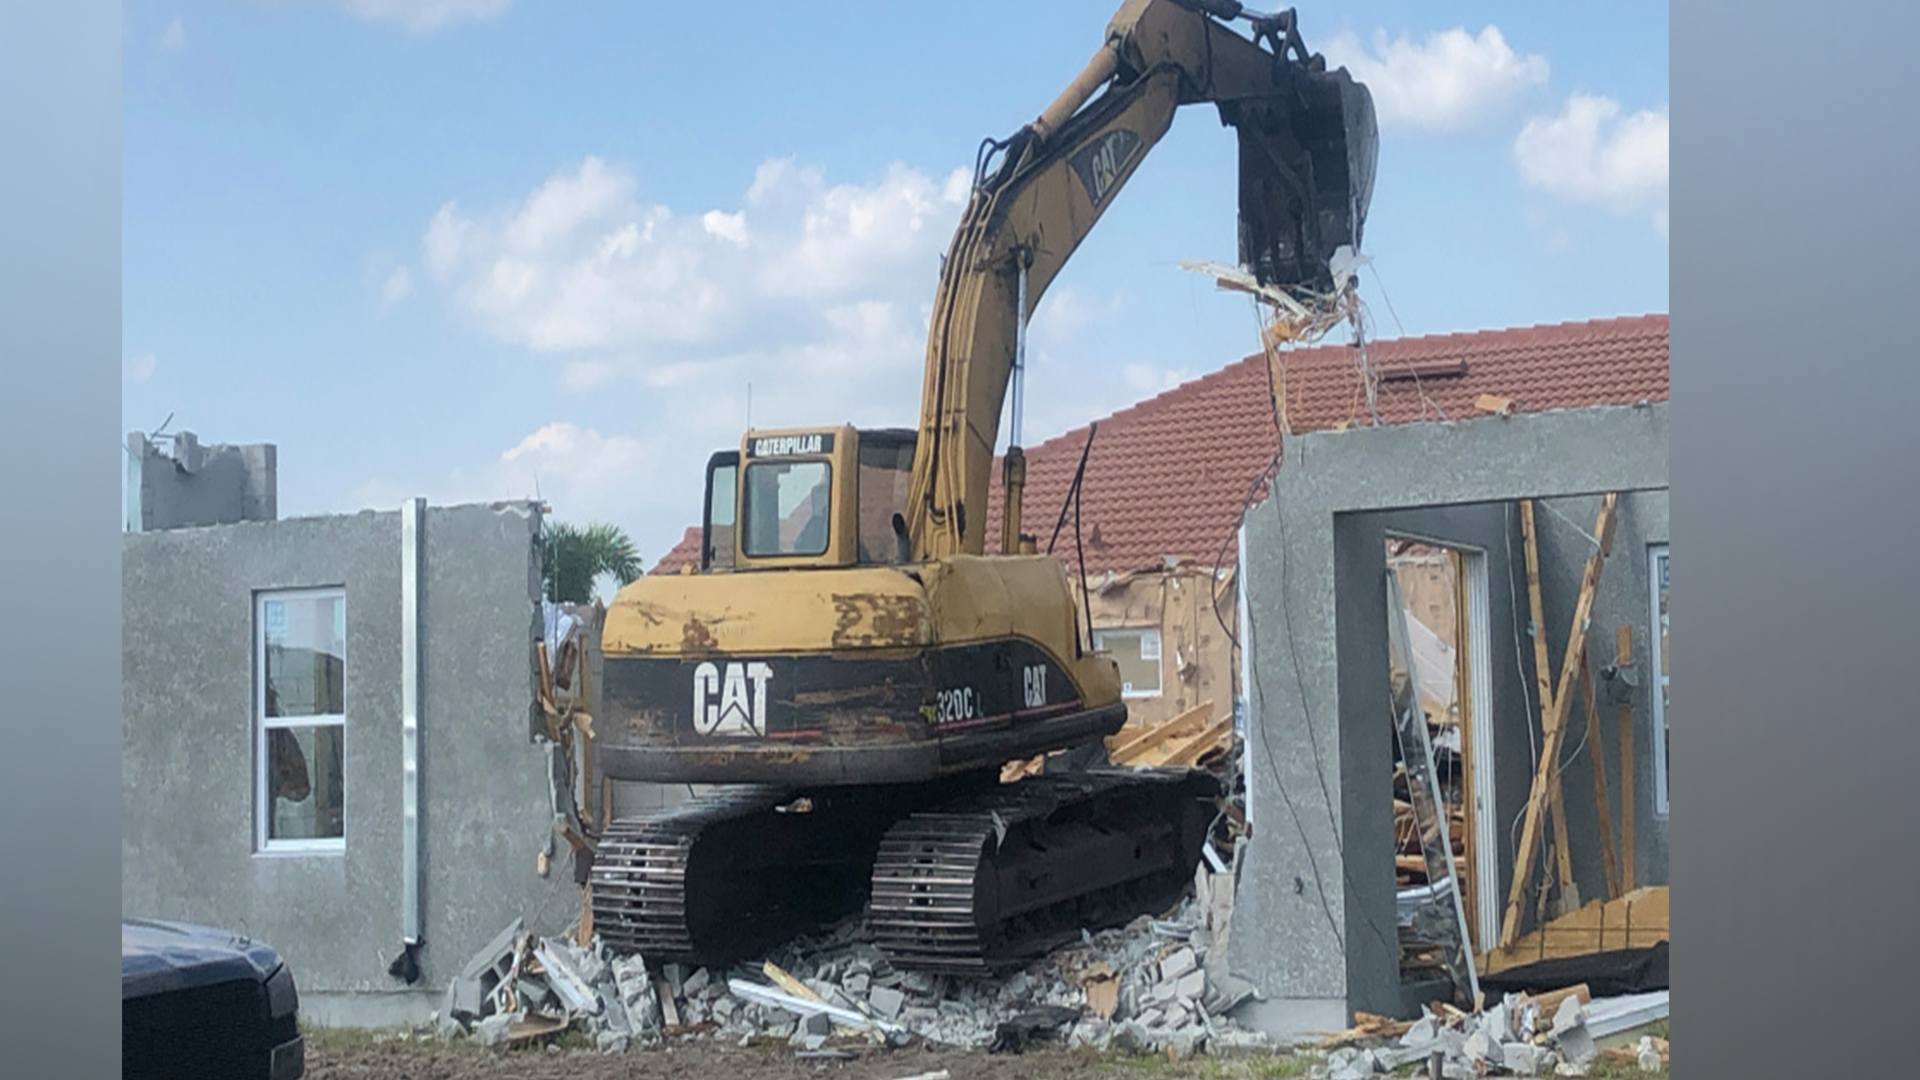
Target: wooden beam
<point x="1195" y="747"/>
<point x="1134" y="746"/>
<point x="1550" y="752"/>
<point x="1543" y="671"/>
<point x="1602" y="805"/>
<point x="1622" y="659"/>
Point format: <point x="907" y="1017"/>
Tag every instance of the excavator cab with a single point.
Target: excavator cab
<point x="808" y="497"/>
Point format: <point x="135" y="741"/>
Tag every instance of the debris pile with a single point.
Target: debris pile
<point x="520" y="988"/>
<point x="1154" y="985"/>
<point x="1550" y="1035"/>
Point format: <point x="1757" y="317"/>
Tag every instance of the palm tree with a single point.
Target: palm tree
<point x="572" y="558"/>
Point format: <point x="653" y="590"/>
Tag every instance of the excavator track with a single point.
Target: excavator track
<point x="963" y="877"/>
<point x="1004" y="876"/>
<point x="731" y="873"/>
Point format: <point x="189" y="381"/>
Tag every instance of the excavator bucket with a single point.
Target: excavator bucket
<point x="1307" y="158"/>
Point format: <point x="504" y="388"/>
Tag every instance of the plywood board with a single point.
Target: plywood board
<point x="1637" y="920"/>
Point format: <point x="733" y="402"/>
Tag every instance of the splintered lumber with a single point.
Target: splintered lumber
<point x="1017" y="770"/>
<point x="1549" y="762"/>
<point x="1124" y="749"/>
<point x="1189" y="751"/>
<point x="1543" y="671"/>
<point x="1549" y="1003"/>
<point x="1627" y="766"/>
<point x="1367" y="1025"/>
<point x="1417" y="864"/>
<point x="1637" y="920"/>
<point x="1602" y="806"/>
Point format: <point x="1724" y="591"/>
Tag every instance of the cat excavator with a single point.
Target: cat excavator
<point x="849" y="666"/>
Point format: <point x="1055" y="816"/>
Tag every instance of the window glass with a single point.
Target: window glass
<point x="299" y="714"/>
<point x="722" y="493"/>
<point x="303" y="782"/>
<point x="788" y="507"/>
<point x="1137" y="652"/>
<point x="886" y="471"/>
<point x="305" y="661"/>
<point x="1662" y="744"/>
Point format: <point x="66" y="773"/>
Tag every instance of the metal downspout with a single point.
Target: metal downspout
<point x="412" y="525"/>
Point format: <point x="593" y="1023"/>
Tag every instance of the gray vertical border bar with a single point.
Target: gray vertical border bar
<point x="412" y="530"/>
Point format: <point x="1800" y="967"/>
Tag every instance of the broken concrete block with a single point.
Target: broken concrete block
<point x="886" y="1001"/>
<point x="814" y="1042"/>
<point x="1177" y="964"/>
<point x="1349" y="1064"/>
<point x="858" y="983"/>
<point x="613" y="1042"/>
<point x="817" y="1024"/>
<point x="1478" y="1047"/>
<point x="695" y="982"/>
<point x="1576" y="1045"/>
<point x="1521" y="1058"/>
<point x="1191" y="986"/>
<point x="1570" y="1015"/>
<point x="492" y="1031"/>
<point x="1497" y="1025"/>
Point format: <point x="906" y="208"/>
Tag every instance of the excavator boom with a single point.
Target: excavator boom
<point x="1307" y="144"/>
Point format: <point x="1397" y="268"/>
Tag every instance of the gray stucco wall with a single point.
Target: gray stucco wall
<point x="1319" y="760"/>
<point x="188" y="754"/>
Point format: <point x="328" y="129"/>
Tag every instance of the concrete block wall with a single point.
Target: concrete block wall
<point x="188" y="748"/>
<point x="195" y="484"/>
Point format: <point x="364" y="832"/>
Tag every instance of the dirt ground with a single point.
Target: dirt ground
<point x="343" y="1056"/>
<point x="334" y="1058"/>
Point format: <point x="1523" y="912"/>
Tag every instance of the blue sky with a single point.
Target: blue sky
<point x="471" y="249"/>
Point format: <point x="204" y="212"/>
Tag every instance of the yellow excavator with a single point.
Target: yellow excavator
<point x="850" y="666"/>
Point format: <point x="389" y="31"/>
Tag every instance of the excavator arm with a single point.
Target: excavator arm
<point x="1307" y="144"/>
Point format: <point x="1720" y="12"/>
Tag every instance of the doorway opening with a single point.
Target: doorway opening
<point x="1444" y="607"/>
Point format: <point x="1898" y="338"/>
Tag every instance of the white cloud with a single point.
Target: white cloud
<point x="583" y="474"/>
<point x="399" y="284"/>
<point x="805" y="302"/>
<point x="729" y="227"/>
<point x="138" y="368"/>
<point x="422" y="16"/>
<point x="1449" y="82"/>
<point x="804" y="278"/>
<point x="1591" y="154"/>
<point x="174" y="38"/>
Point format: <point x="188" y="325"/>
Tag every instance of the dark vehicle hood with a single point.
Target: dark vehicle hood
<point x="156" y="957"/>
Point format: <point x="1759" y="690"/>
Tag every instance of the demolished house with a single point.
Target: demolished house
<point x="1346" y="579"/>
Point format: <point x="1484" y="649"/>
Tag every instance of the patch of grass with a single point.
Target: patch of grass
<point x="326" y="1041"/>
<point x="1261" y="1065"/>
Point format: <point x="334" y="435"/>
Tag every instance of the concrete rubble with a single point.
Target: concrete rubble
<point x="1156" y="985"/>
<point x="1516" y="1036"/>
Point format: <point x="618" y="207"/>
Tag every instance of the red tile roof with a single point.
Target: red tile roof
<point x="1168" y="476"/>
<point x="684" y="553"/>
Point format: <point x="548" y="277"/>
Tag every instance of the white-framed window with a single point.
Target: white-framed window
<point x="1657" y="688"/>
<point x="1137" y="651"/>
<point x="300" y="719"/>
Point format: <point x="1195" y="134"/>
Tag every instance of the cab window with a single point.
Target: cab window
<point x="787" y="508"/>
